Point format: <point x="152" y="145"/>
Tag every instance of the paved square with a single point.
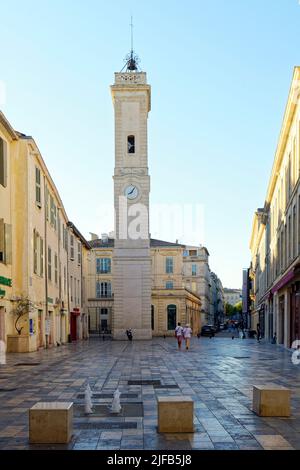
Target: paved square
<point x="217" y="373"/>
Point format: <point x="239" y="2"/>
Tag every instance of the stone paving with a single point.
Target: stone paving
<point x="217" y="373"/>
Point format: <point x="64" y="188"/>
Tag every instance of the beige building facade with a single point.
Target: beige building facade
<point x="232" y="296"/>
<point x="275" y="238"/>
<point x="8" y="139"/>
<point x="171" y="300"/>
<point x="36" y="246"/>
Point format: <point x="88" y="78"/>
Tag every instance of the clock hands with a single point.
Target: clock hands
<point x="130" y="192"/>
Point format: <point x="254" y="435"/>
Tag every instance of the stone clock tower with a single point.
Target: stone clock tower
<point x="131" y="260"/>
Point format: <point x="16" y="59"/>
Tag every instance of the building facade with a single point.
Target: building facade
<point x="36" y="249"/>
<point x="8" y="140"/>
<point x="178" y="274"/>
<point x="217" y="303"/>
<point x="275" y="238"/>
<point x="232" y="296"/>
<point x="196" y="277"/>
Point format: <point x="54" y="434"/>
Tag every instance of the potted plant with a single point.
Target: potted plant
<point x="20" y="342"/>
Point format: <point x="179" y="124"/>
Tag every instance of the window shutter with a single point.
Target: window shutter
<point x="41" y="257"/>
<point x="8" y="243"/>
<point x="2" y="242"/>
<point x="108" y="289"/>
<point x="98" y="291"/>
<point x="3" y="163"/>
<point x="35" y="254"/>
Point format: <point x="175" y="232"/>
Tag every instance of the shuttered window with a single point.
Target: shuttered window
<point x="41" y="257"/>
<point x="2" y="242"/>
<point x="35" y="251"/>
<point x="3" y="163"/>
<point x="5" y="242"/>
<point x="38" y="196"/>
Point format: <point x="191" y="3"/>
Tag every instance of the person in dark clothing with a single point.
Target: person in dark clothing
<point x="274" y="339"/>
<point x="129" y="334"/>
<point x="258" y="332"/>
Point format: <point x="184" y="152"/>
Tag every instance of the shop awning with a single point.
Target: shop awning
<point x="286" y="278"/>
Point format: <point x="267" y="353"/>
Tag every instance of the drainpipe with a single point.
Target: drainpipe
<point x="68" y="286"/>
<point x="46" y="258"/>
<point x="58" y="222"/>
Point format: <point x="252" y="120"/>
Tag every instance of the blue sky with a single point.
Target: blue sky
<point x="220" y="72"/>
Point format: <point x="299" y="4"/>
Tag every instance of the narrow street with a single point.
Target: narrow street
<point x="217" y="373"/>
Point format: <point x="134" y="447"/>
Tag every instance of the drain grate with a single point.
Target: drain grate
<point x="241" y="357"/>
<point x="106" y="425"/>
<point x="166" y="386"/>
<point x="144" y="382"/>
<point x="7" y="389"/>
<point x="27" y="364"/>
<point x="110" y="395"/>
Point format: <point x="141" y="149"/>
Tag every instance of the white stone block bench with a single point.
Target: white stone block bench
<point x="51" y="423"/>
<point x="175" y="414"/>
<point x="271" y="400"/>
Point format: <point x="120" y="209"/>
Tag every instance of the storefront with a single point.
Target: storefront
<point x="295" y="312"/>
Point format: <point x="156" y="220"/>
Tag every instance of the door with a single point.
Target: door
<point x="295" y="316"/>
<point x="281" y="321"/>
<point x="2" y="331"/>
<point x="50" y="328"/>
<point x="40" y="337"/>
<point x="73" y="327"/>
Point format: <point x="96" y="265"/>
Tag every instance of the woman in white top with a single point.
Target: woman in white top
<point x="179" y="334"/>
<point x="187" y="333"/>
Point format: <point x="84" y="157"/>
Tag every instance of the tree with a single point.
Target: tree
<point x="238" y="307"/>
<point x="23" y="307"/>
<point x="229" y="309"/>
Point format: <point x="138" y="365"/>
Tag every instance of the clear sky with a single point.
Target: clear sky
<point x="220" y="73"/>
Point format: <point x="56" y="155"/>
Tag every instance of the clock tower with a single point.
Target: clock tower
<point x="131" y="97"/>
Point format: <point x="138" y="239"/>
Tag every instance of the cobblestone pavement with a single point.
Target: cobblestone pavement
<point x="217" y="373"/>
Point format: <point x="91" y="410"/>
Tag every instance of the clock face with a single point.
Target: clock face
<point x="131" y="191"/>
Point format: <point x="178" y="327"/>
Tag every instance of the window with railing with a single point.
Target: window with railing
<point x="103" y="265"/>
<point x="103" y="289"/>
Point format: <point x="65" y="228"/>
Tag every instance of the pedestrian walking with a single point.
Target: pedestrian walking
<point x="129" y="334"/>
<point x="187" y="333"/>
<point x="179" y="334"/>
<point x="258" y="332"/>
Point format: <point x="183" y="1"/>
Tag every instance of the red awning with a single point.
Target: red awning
<point x="76" y="312"/>
<point x="287" y="278"/>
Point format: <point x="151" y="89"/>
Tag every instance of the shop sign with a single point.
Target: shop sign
<point x="2" y="293"/>
<point x="5" y="281"/>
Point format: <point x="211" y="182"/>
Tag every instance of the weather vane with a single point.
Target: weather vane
<point x="132" y="59"/>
